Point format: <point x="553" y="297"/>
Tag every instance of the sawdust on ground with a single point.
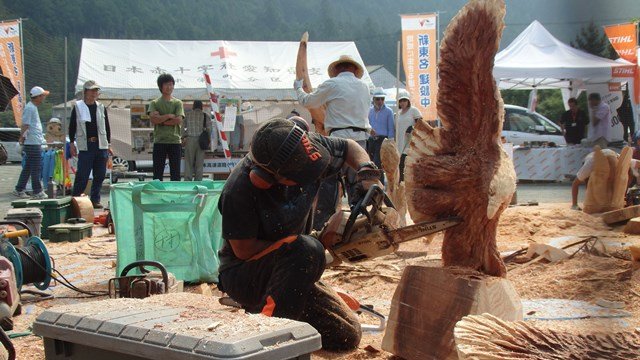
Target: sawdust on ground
<point x="90" y="263"/>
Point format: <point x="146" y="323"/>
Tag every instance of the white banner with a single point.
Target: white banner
<point x="136" y="64"/>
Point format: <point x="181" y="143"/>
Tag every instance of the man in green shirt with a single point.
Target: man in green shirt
<point x="166" y="113"/>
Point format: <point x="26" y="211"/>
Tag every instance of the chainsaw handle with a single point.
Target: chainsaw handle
<point x="370" y="198"/>
<point x="141" y="264"/>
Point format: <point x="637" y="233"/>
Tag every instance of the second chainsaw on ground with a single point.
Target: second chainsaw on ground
<point x="371" y="229"/>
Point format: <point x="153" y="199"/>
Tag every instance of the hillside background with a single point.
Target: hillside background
<point x="374" y="25"/>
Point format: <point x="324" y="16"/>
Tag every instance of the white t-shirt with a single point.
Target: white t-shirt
<point x="585" y="171"/>
<point x="402" y="124"/>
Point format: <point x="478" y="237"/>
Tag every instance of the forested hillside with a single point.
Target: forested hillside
<point x="373" y="24"/>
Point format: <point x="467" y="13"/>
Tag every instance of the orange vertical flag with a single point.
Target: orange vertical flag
<point x="11" y="63"/>
<point x="419" y="40"/>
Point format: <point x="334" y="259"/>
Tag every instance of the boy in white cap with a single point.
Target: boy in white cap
<point x="31" y="138"/>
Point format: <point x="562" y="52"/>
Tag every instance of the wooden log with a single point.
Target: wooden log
<point x="302" y="72"/>
<point x="486" y="337"/>
<point x="616" y="216"/>
<point x="460" y="169"/>
<point x="428" y="302"/>
<point x="390" y="159"/>
<point x="608" y="181"/>
<point x="633" y="226"/>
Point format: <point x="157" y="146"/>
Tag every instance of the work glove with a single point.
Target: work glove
<point x="367" y="177"/>
<point x="297" y="84"/>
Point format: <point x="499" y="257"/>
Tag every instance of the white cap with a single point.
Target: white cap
<point x="37" y="91"/>
<point x="379" y="93"/>
<point x="55" y="120"/>
<point x="91" y="85"/>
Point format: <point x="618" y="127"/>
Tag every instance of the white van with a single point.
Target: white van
<point x="521" y="125"/>
<point x="9" y="139"/>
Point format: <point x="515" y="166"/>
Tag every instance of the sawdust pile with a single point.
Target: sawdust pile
<point x="523" y="223"/>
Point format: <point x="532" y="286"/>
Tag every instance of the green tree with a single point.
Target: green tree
<point x="593" y="40"/>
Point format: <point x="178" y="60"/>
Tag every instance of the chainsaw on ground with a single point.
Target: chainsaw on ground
<point x="370" y="229"/>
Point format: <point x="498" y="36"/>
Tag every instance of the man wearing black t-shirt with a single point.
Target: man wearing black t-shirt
<point x="89" y="129"/>
<point x="268" y="264"/>
<point x="573" y="123"/>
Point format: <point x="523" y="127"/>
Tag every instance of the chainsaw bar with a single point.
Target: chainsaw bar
<point x="421" y="229"/>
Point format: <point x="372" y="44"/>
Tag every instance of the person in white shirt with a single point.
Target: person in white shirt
<point x="346" y="97"/>
<point x="31" y="139"/>
<point x="600" y="120"/>
<point x="347" y="100"/>
<point x="405" y="120"/>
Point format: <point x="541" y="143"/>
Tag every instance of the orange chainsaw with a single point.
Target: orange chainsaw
<point x="370" y="229"/>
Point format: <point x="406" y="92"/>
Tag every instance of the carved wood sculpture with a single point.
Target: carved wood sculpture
<point x="486" y="337"/>
<point x="461" y="169"/>
<point x="608" y="181"/>
<point x="395" y="189"/>
<point x="302" y="72"/>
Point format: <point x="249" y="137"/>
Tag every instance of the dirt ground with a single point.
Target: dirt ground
<point x="90" y="263"/>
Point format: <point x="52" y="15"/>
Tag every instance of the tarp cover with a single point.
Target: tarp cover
<point x="260" y="70"/>
<point x="535" y="57"/>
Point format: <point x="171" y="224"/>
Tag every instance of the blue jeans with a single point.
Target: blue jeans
<point x="32" y="168"/>
<point x="93" y="159"/>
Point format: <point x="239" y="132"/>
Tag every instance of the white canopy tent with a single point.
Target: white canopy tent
<point x="252" y="70"/>
<point x="536" y="59"/>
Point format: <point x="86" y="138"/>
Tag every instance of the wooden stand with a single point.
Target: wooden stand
<point x="430" y="301"/>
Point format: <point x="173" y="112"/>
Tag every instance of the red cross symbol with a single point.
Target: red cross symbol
<point x="223" y="53"/>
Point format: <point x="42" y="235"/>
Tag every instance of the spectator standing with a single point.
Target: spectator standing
<point x="573" y="122"/>
<point x="89" y="129"/>
<point x="382" y="127"/>
<point x="194" y="124"/>
<point x="166" y="113"/>
<point x="31" y="138"/>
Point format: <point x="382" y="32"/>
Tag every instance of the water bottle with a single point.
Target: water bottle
<point x="51" y="188"/>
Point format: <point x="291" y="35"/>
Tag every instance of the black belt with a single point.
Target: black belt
<point x="348" y="127"/>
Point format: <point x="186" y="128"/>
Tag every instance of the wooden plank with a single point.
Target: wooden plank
<point x="633" y="226"/>
<point x="428" y="302"/>
<point x="616" y="216"/>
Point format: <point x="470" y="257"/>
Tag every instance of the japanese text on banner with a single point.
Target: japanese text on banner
<point x="11" y="63"/>
<point x="419" y="40"/>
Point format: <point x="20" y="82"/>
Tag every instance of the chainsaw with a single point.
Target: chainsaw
<point x="370" y="230"/>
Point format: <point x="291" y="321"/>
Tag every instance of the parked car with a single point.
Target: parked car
<point x="521" y="125"/>
<point x="9" y="139"/>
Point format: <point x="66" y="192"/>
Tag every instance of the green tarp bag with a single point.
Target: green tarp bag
<point x="175" y="223"/>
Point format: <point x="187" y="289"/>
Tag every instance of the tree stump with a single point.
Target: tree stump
<point x="430" y="301"/>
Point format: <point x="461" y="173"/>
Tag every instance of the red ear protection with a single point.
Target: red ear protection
<point x="261" y="178"/>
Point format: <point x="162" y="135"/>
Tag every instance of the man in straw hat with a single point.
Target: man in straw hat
<point x="347" y="101"/>
<point x="268" y="263"/>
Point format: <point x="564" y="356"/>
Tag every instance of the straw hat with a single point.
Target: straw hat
<point x="345" y="59"/>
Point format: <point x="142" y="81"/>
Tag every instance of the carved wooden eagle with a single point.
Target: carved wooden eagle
<point x="461" y="169"/>
<point x="486" y="337"/>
